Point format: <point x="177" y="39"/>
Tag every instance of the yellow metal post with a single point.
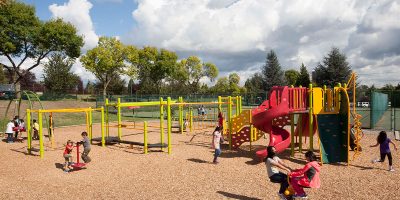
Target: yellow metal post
<point x="169" y="123"/>
<point x="103" y="141"/>
<point x="41" y="147"/>
<point x="119" y="119"/>
<point x="229" y="121"/>
<point x="162" y="122"/>
<point x="240" y="104"/>
<point x="107" y="121"/>
<point x="220" y="103"/>
<point x="90" y="124"/>
<point x="310" y="115"/>
<point x="181" y="114"/>
<point x="87" y="123"/>
<point x="28" y="130"/>
<point x="191" y="119"/>
<point x="145" y="137"/>
<point x="237" y="106"/>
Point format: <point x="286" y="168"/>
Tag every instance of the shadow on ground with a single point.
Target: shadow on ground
<point x="236" y="196"/>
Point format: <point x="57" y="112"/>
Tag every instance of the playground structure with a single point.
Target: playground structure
<point x="51" y="134"/>
<point x="319" y="109"/>
<point x="31" y="98"/>
<point x="168" y="106"/>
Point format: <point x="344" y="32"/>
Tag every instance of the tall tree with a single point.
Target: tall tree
<point x="304" y="77"/>
<point x="154" y="67"/>
<point x="131" y="85"/>
<point x="116" y="85"/>
<point x="192" y="70"/>
<point x="291" y="76"/>
<point x="28" y="81"/>
<point x="57" y="76"/>
<point x="221" y="86"/>
<point x="24" y="37"/>
<point x="234" y="88"/>
<point x="90" y="88"/>
<point x="255" y="84"/>
<point x="333" y="69"/>
<point x="272" y="72"/>
<point x="81" y="89"/>
<point x="110" y="58"/>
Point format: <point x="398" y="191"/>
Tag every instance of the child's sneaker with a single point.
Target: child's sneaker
<point x="282" y="196"/>
<point x="66" y="170"/>
<point x="374" y="160"/>
<point x="391" y="169"/>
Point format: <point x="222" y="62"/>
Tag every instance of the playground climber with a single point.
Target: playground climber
<point x="383" y="142"/>
<point x="216" y="144"/>
<point x="273" y="162"/>
<point x="306" y="177"/>
<point x="86" y="147"/>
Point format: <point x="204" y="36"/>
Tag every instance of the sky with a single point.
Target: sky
<point x="237" y="34"/>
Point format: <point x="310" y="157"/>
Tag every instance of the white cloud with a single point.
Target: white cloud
<point x="299" y="32"/>
<point x="77" y="13"/>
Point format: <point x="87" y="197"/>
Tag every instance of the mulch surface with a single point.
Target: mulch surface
<point x="121" y="172"/>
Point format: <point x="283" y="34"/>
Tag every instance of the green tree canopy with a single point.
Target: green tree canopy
<point x="57" y="76"/>
<point x="255" y="84"/>
<point x="221" y="86"/>
<point x="291" y="76"/>
<point x="234" y="88"/>
<point x="23" y="36"/>
<point x="304" y="77"/>
<point x="272" y="72"/>
<point x="191" y="70"/>
<point x="333" y="69"/>
<point x="108" y="59"/>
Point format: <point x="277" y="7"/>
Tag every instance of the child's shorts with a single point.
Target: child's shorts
<point x="67" y="157"/>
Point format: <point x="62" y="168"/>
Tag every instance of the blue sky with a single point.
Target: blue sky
<point x="237" y="34"/>
<point x="110" y="17"/>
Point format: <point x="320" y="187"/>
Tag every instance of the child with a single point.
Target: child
<point x="273" y="162"/>
<point x="16" y="129"/>
<point x="21" y="129"/>
<point x="383" y="142"/>
<point x="35" y="130"/>
<point x="68" y="156"/>
<point x="216" y="143"/>
<point x="9" y="131"/>
<point x="306" y="177"/>
<point x="86" y="147"/>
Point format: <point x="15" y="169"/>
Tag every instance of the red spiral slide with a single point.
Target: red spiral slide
<point x="269" y="117"/>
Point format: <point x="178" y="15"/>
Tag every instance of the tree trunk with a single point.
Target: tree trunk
<point x="104" y="93"/>
<point x="17" y="85"/>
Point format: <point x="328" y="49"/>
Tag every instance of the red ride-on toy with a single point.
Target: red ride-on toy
<point x="78" y="165"/>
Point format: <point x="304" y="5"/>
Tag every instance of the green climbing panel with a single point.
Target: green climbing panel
<point x="333" y="132"/>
